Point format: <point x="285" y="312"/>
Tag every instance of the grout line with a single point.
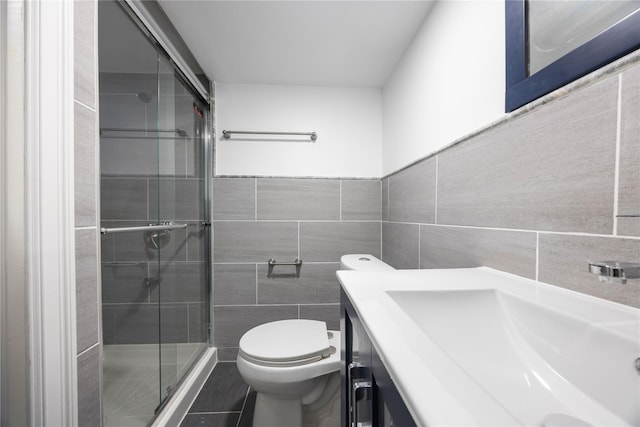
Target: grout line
<point x="256" y="283"/>
<point x="87" y="349"/>
<point x="331" y="221"/>
<point x="328" y="304"/>
<point x="85" y="227"/>
<point x="537" y="255"/>
<point x="246" y="397"/>
<point x="562" y="233"/>
<point x="255" y="198"/>
<point x="616" y="175"/>
<point x="84" y="105"/>
<point x="237" y="262"/>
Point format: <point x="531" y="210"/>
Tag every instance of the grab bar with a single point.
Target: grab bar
<point x="167" y="226"/>
<point x="227" y="133"/>
<point x="272" y="263"/>
<point x="296" y="262"/>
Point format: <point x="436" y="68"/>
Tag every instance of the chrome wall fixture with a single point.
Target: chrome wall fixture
<point x="272" y="263"/>
<point x="227" y="133"/>
<point x="179" y="132"/>
<point x="152" y="227"/>
<point x="615" y="271"/>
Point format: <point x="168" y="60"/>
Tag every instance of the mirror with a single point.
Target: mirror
<point x="553" y="42"/>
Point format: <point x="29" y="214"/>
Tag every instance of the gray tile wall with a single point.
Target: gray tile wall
<point x="255" y="219"/>
<point x="86" y="218"/>
<point x="534" y="195"/>
<point x="133" y="271"/>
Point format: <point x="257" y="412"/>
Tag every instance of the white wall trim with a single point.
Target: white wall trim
<point x="50" y="215"/>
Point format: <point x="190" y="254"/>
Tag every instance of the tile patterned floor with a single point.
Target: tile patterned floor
<point x="224" y="401"/>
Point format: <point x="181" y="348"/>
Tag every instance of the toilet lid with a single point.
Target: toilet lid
<point x="286" y="342"/>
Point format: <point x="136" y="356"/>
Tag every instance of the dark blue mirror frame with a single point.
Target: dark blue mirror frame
<point x="615" y="42"/>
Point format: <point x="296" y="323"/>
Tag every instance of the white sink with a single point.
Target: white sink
<point x="482" y="347"/>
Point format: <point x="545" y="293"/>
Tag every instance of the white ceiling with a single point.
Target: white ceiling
<point x="317" y="43"/>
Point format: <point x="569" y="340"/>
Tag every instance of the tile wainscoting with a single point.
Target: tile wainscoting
<point x="256" y="219"/>
<point x="536" y="195"/>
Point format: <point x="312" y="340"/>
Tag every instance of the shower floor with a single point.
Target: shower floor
<point x="131" y="377"/>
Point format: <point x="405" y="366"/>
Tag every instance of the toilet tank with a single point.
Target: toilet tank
<point x="365" y="262"/>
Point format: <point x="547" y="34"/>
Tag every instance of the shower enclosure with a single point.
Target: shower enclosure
<point x="154" y="221"/>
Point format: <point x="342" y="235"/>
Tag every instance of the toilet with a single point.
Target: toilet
<point x="294" y="366"/>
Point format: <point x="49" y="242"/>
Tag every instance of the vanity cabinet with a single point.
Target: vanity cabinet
<point x="369" y="397"/>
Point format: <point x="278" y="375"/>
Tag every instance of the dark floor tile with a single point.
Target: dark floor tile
<point x="210" y="420"/>
<point x="224" y="391"/>
<point x="246" y="419"/>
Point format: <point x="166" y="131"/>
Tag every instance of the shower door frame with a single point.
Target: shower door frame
<point x="183" y="71"/>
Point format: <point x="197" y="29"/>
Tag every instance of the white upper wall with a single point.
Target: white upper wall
<point x="449" y="83"/>
<point x="347" y="121"/>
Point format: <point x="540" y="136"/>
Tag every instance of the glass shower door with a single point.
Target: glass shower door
<point x="155" y="277"/>
<point x="182" y="291"/>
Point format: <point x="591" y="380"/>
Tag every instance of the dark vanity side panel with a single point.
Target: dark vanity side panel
<point x="385" y="392"/>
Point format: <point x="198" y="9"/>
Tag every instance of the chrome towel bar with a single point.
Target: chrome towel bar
<point x="227" y="133"/>
<point x="168" y="226"/>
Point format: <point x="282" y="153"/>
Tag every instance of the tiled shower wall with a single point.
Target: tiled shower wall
<point x="535" y="195"/>
<point x="86" y="218"/>
<point x="132" y="194"/>
<point x="256" y="219"/>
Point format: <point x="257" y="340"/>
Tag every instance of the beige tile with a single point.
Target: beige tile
<point x="123" y="199"/>
<point x="176" y="199"/>
<point x="385" y="199"/>
<point x="316" y="284"/>
<point x="328" y="313"/>
<point x="299" y="199"/>
<point x="85" y="180"/>
<point x="361" y="200"/>
<point x="328" y="241"/>
<point x="412" y="193"/>
<point x="629" y="184"/>
<point x="84" y="58"/>
<point x="254" y="241"/>
<point x="552" y="169"/>
<point x="89" y="394"/>
<point x="87" y="309"/>
<point x="233" y="321"/>
<point x="456" y="247"/>
<point x="234" y="284"/>
<point x="564" y="261"/>
<point x="400" y="245"/>
<point x="234" y="198"/>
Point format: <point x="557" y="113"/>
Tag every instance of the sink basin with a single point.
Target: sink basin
<point x="482" y="347"/>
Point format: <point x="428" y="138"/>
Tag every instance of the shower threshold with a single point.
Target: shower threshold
<point x="131" y="379"/>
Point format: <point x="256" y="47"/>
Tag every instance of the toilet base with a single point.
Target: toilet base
<point x="272" y="412"/>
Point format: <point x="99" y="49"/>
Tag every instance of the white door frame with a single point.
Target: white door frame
<point x="49" y="124"/>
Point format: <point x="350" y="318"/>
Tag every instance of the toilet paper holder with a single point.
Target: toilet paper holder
<point x="272" y="263"/>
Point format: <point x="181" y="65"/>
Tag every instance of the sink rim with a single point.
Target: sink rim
<point x="367" y="292"/>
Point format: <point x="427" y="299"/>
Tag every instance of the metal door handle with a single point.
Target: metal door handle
<point x="360" y="390"/>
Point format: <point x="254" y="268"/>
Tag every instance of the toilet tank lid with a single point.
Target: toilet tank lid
<point x="286" y="341"/>
<point x="364" y="262"/>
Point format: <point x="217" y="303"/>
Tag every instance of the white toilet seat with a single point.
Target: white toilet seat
<point x="283" y="343"/>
